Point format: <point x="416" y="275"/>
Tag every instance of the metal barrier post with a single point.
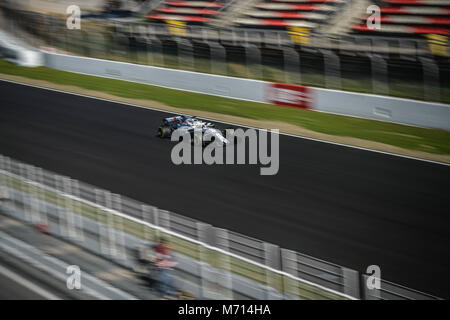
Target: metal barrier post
<point x="3" y="181"/>
<point x="185" y="54"/>
<point x="164" y="219"/>
<point x="431" y="83"/>
<point x="9" y="181"/>
<point x="149" y="59"/>
<point x="98" y="46"/>
<point x="225" y="279"/>
<point x="19" y="206"/>
<point x="148" y="215"/>
<point x="110" y="224"/>
<point x="351" y="282"/>
<point x="332" y="66"/>
<point x="217" y="58"/>
<point x="118" y="227"/>
<point x="369" y="294"/>
<point x="31" y="194"/>
<point x="289" y="265"/>
<point x="380" y="84"/>
<point x="102" y="228"/>
<point x="121" y="45"/>
<point x="33" y="202"/>
<point x="253" y="61"/>
<point x="69" y="226"/>
<point x="59" y="203"/>
<point x="109" y="46"/>
<point x="156" y="221"/>
<point x="78" y="219"/>
<point x="42" y="204"/>
<point x="292" y="65"/>
<point x="272" y="260"/>
<point x="68" y="209"/>
<point x="156" y="52"/>
<point x="25" y="191"/>
<point x="205" y="234"/>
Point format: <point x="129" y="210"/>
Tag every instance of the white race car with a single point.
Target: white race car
<point x="201" y="132"/>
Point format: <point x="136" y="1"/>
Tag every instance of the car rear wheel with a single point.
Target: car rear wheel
<point x="164" y="132"/>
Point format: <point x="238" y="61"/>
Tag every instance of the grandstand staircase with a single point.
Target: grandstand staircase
<point x="342" y="21"/>
<point x="411" y="18"/>
<point x="141" y="7"/>
<point x="148" y="5"/>
<point x="234" y="10"/>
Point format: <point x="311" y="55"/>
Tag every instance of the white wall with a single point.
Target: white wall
<point x="433" y="115"/>
<point x="16" y="51"/>
<point x="229" y="87"/>
<point x="413" y="112"/>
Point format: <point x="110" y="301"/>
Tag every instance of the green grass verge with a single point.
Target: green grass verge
<point x="408" y="137"/>
<point x="187" y="248"/>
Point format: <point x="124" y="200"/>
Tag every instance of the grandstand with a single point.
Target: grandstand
<point x="193" y="12"/>
<point x="398" y="17"/>
<point x="277" y="14"/>
<point x="321" y="43"/>
<point x="410" y="17"/>
<point x="273" y="14"/>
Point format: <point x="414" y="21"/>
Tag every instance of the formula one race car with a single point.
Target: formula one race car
<point x="195" y="128"/>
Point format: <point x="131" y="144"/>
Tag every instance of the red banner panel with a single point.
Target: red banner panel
<point x="290" y="95"/>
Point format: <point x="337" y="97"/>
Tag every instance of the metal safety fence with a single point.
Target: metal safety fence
<point x="403" y="67"/>
<point x="225" y="264"/>
<point x="215" y="256"/>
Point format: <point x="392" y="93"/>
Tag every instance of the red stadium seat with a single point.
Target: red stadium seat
<point x="272" y="14"/>
<point x="187" y="11"/>
<point x="197" y="12"/>
<point x="411" y="17"/>
<point x="163" y="17"/>
<point x="195" y="4"/>
<point x="279" y="14"/>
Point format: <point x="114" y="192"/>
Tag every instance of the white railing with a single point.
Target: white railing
<point x="31" y="179"/>
<point x="262" y="266"/>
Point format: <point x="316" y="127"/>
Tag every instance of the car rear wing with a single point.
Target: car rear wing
<point x="173" y="119"/>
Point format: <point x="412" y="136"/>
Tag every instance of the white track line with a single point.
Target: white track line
<point x="27" y="284"/>
<point x="230" y="123"/>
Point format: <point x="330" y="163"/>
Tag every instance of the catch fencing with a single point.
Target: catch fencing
<point x="225" y="264"/>
<point x="402" y="67"/>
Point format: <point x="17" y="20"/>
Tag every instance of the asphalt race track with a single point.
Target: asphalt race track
<point x="348" y="206"/>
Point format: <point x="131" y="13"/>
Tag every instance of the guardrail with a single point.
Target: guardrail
<point x="112" y="225"/>
<point x="226" y="264"/>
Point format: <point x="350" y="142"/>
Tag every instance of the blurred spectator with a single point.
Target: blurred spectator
<point x="165" y="263"/>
